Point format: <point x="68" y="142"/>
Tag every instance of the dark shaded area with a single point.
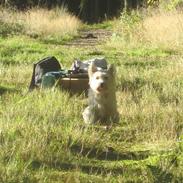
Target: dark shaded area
<point x="138" y="83"/>
<point x="162" y="176"/>
<point x="155" y="173"/>
<point x="89" y="169"/>
<point x="145" y="65"/>
<point x="108" y="154"/>
<point x="4" y="90"/>
<point x="98" y="10"/>
<point x="91" y="11"/>
<point x="135" y="87"/>
<point x="9" y="62"/>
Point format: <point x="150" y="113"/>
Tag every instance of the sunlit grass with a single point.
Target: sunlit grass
<point x="39" y="22"/>
<point x="153" y="28"/>
<point x="164" y="29"/>
<point x="42" y="134"/>
<point x="51" y="22"/>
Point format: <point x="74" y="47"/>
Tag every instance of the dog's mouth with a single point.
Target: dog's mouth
<point x="100" y="89"/>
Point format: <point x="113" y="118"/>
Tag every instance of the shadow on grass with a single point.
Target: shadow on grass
<point x="132" y="85"/>
<point x="57" y="40"/>
<point x="137" y="87"/>
<point x="160" y="175"/>
<point x="146" y="64"/>
<point x="108" y="154"/>
<point x="150" y="52"/>
<point x="137" y="83"/>
<point x="53" y="41"/>
<point x="8" y="62"/>
<point x="96" y="53"/>
<point x="89" y="168"/>
<point x="169" y="99"/>
<point x="155" y="173"/>
<point x="4" y="89"/>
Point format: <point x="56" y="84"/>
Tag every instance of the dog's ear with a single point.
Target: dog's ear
<point x="92" y="69"/>
<point x="111" y="70"/>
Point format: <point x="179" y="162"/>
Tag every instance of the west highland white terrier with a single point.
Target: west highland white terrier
<point x="102" y="105"/>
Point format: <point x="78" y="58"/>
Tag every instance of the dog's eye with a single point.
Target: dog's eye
<point x="97" y="77"/>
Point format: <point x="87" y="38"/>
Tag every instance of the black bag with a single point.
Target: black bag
<point x="45" y="65"/>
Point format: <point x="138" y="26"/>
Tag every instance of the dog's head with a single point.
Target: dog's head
<point x="101" y="80"/>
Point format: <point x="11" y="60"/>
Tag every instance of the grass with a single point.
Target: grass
<point x="50" y="25"/>
<point x="158" y="28"/>
<point x="49" y="22"/>
<point x="163" y="34"/>
<point x="42" y="135"/>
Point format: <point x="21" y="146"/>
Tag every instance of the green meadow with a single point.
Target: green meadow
<point x="42" y="134"/>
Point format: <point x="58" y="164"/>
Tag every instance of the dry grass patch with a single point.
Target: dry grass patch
<point x="51" y="22"/>
<point x="164" y="28"/>
<point x="152" y="28"/>
<point x="42" y="22"/>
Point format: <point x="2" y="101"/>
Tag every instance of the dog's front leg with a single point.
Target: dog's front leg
<point x="90" y="115"/>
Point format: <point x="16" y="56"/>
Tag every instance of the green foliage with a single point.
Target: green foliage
<point x="130" y="19"/>
<point x="129" y="23"/>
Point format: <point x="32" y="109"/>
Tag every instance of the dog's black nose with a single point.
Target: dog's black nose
<point x="101" y="85"/>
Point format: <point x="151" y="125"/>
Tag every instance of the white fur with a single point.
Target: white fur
<point x="102" y="98"/>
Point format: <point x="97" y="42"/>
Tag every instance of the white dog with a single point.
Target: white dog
<point x="102" y="98"/>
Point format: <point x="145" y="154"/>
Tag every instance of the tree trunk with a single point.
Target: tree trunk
<point x="125" y="5"/>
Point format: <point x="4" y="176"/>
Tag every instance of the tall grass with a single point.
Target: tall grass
<point x="51" y="22"/>
<point x="42" y="134"/>
<point x="143" y="39"/>
<point x="41" y="22"/>
<point x="164" y="28"/>
<point x="154" y="27"/>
